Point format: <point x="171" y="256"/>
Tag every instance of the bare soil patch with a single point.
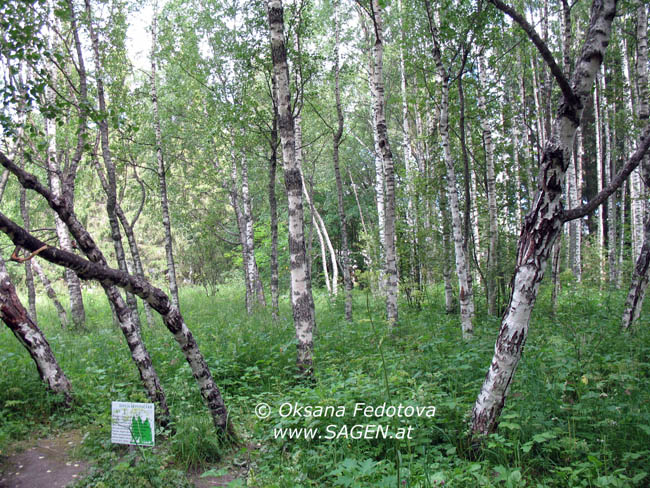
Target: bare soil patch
<point x="47" y="463"/>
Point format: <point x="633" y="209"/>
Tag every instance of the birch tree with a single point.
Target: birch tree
<point x="96" y="268"/>
<point x="544" y="221"/>
<point x="302" y="301"/>
<point x="338" y="134"/>
<point x="162" y="173"/>
<point x="15" y="316"/>
<point x="465" y="296"/>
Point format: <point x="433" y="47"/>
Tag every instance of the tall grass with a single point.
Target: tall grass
<point x="578" y="412"/>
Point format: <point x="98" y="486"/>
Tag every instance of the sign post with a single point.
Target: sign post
<point x="132" y="423"/>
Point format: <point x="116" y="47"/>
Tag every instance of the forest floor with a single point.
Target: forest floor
<point x="578" y="413"/>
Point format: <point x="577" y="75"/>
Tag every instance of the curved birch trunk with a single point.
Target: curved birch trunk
<point x="325" y="243"/>
<point x="96" y="268"/>
<point x="301" y="297"/>
<point x="30" y="336"/>
<point x="541" y="225"/>
<point x="640" y="277"/>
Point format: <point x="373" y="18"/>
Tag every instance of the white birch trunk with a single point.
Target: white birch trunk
<point x="77" y="310"/>
<point x="641" y="273"/>
<point x="241" y="228"/>
<point x="598" y="123"/>
<point x="465" y="297"/>
<point x="162" y="177"/>
<point x="609" y="162"/>
<point x="388" y="169"/>
<point x="30" y="336"/>
<point x="409" y="160"/>
<point x="577" y="251"/>
<point x="338" y="134"/>
<point x="491" y="194"/>
<point x="541" y="226"/>
<point x="252" y="268"/>
<point x="301" y="296"/>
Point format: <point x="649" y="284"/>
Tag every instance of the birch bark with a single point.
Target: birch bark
<point x="542" y="224"/>
<point x="162" y="174"/>
<point x="338" y="134"/>
<point x="30" y="336"/>
<point x="641" y="273"/>
<point x="389" y="171"/>
<point x="96" y="267"/>
<point x="301" y="296"/>
<point x="465" y="297"/>
<point x="491" y="194"/>
<point x="273" y="206"/>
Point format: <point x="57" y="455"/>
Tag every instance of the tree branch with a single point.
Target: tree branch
<point x="617" y="181"/>
<point x="569" y="96"/>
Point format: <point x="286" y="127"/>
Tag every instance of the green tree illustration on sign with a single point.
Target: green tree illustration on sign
<point x="141" y="431"/>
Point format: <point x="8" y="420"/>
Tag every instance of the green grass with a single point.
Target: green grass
<point x="578" y="413"/>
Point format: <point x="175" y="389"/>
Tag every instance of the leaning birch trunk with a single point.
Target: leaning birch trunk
<point x="30" y="336"/>
<point x="133" y="245"/>
<point x="317" y="221"/>
<point x="491" y="194"/>
<point x="325" y="242"/>
<point x="302" y="300"/>
<point x="634" y="301"/>
<point x="543" y="223"/>
<point x="162" y="178"/>
<point x="130" y="236"/>
<point x="345" y="252"/>
<point x="97" y="268"/>
<point x="63" y="317"/>
<point x="111" y="194"/>
<point x="390" y="248"/>
<point x="641" y="274"/>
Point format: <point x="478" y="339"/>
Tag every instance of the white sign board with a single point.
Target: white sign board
<point x="132" y="423"/>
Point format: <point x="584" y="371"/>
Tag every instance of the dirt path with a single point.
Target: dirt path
<point x="48" y="463"/>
